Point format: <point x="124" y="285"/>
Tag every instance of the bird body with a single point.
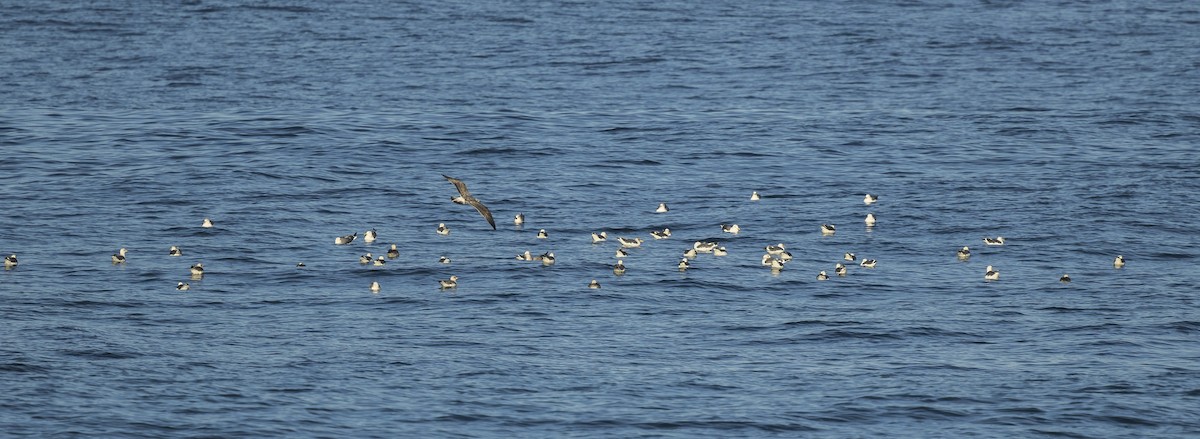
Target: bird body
<point x="991" y="273"/>
<point x="867" y="263"/>
<point x="599" y="237"/>
<point x="999" y="240"/>
<point x="662" y="208"/>
<point x="870" y="199"/>
<point x="119" y="258"/>
<point x="594" y="284"/>
<point x="442" y="229"/>
<point x="754" y="196"/>
<point x="370" y="236"/>
<point x="346" y="239"/>
<point x="731" y="228"/>
<point x="175" y="251"/>
<point x="1119" y="261"/>
<point x="375" y="287"/>
<point x="452" y="282"/>
<point x="182" y="286"/>
<point x="10" y="261"/>
<point x="393" y="252"/>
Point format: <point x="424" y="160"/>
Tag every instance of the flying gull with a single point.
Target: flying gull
<point x="465" y="197"/>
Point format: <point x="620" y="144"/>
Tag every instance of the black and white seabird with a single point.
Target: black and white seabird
<point x="10" y="261"/>
<point x="119" y="258"/>
<point x="182" y="286"/>
<point x="599" y="237"/>
<point x="442" y="229"/>
<point x="1119" y="262"/>
<point x="991" y="273"/>
<point x="731" y="228"/>
<point x="828" y="229"/>
<point x="999" y="240"/>
<point x="964" y="252"/>
<point x="452" y="282"/>
<point x="867" y="263"/>
<point x="662" y="208"/>
<point x="1065" y="278"/>
<point x="370" y="236"/>
<point x="346" y="239"/>
<point x="393" y="252"/>
<point x="870" y="199"/>
<point x="465" y="197"/>
<point x="594" y="284"/>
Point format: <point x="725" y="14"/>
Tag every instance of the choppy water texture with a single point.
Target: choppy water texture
<point x="1069" y="128"/>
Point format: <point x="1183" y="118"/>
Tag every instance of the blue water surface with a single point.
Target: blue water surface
<point x="1069" y="128"/>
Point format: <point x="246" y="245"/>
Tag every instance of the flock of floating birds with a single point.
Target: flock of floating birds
<point x="775" y="256"/>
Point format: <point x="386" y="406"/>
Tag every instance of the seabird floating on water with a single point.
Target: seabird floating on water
<point x="690" y="253"/>
<point x="754" y="196"/>
<point x="731" y="228"/>
<point x="380" y="261"/>
<point x="662" y="208"/>
<point x="664" y="234"/>
<point x="822" y="276"/>
<point x="626" y="242"/>
<point x="442" y="229"/>
<point x="375" y="287"/>
<point x="964" y="252"/>
<point x="519" y="219"/>
<point x="10" y="261"/>
<point x="684" y="264"/>
<point x="175" y="251"/>
<point x="991" y="274"/>
<point x="1065" y="278"/>
<point x="547" y="258"/>
<point x="542" y="234"/>
<point x="827" y="229"/>
<point x="777" y="264"/>
<point x="1119" y="262"/>
<point x="464" y="197"/>
<point x="839" y="269"/>
<point x="999" y="240"/>
<point x="393" y="252"/>
<point x="870" y="199"/>
<point x="343" y="240"/>
<point x="870" y="220"/>
<point x="598" y="238"/>
<point x="182" y="286"/>
<point x="198" y="269"/>
<point x="774" y="249"/>
<point x="300" y="265"/>
<point x="119" y="258"/>
<point x="704" y="247"/>
<point x="720" y="251"/>
<point x="444" y="260"/>
<point x="595" y="285"/>
<point x="621" y="253"/>
<point x="208" y="224"/>
<point x="850" y="257"/>
<point x="527" y="256"/>
<point x="452" y="282"/>
<point x="867" y="263"/>
<point x="369" y="236"/>
<point x="365" y="259"/>
<point x="619" y="269"/>
<point x="785" y="256"/>
<point x="766" y="260"/>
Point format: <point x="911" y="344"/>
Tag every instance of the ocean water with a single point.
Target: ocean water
<point x="1070" y="128"/>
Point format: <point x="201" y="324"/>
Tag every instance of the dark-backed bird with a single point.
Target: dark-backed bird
<point x="465" y="197"/>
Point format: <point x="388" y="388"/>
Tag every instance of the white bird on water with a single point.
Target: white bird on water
<point x="444" y="260"/>
<point x="731" y="228"/>
<point x="175" y="251"/>
<point x="774" y="249"/>
<point x="754" y="196"/>
<point x="662" y="208"/>
<point x="10" y="261"/>
<point x="664" y="234"/>
<point x="867" y="263"/>
<point x="630" y="243"/>
<point x="999" y="240"/>
<point x="119" y="258"/>
<point x="621" y="253"/>
<point x="542" y="234"/>
<point x="595" y="285"/>
<point x="870" y="199"/>
<point x="182" y="286"/>
<point x="1119" y="262"/>
<point x="343" y="240"/>
<point x="704" y="247"/>
<point x="380" y="261"/>
<point x="839" y="269"/>
<point x="991" y="273"/>
<point x="465" y="197"/>
<point x="198" y="269"/>
<point x="850" y="257"/>
<point x="828" y="229"/>
<point x="599" y="237"/>
<point x="452" y="282"/>
<point x="1065" y="278"/>
<point x="527" y="256"/>
<point x="720" y="251"/>
<point x="519" y="219"/>
<point x="964" y="252"/>
<point x="208" y="224"/>
<point x="619" y="269"/>
<point x="375" y="287"/>
<point x="442" y="229"/>
<point x="870" y="219"/>
<point x="822" y="276"/>
<point x="370" y="236"/>
<point x="365" y="259"/>
<point x="684" y="264"/>
<point x="393" y="252"/>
